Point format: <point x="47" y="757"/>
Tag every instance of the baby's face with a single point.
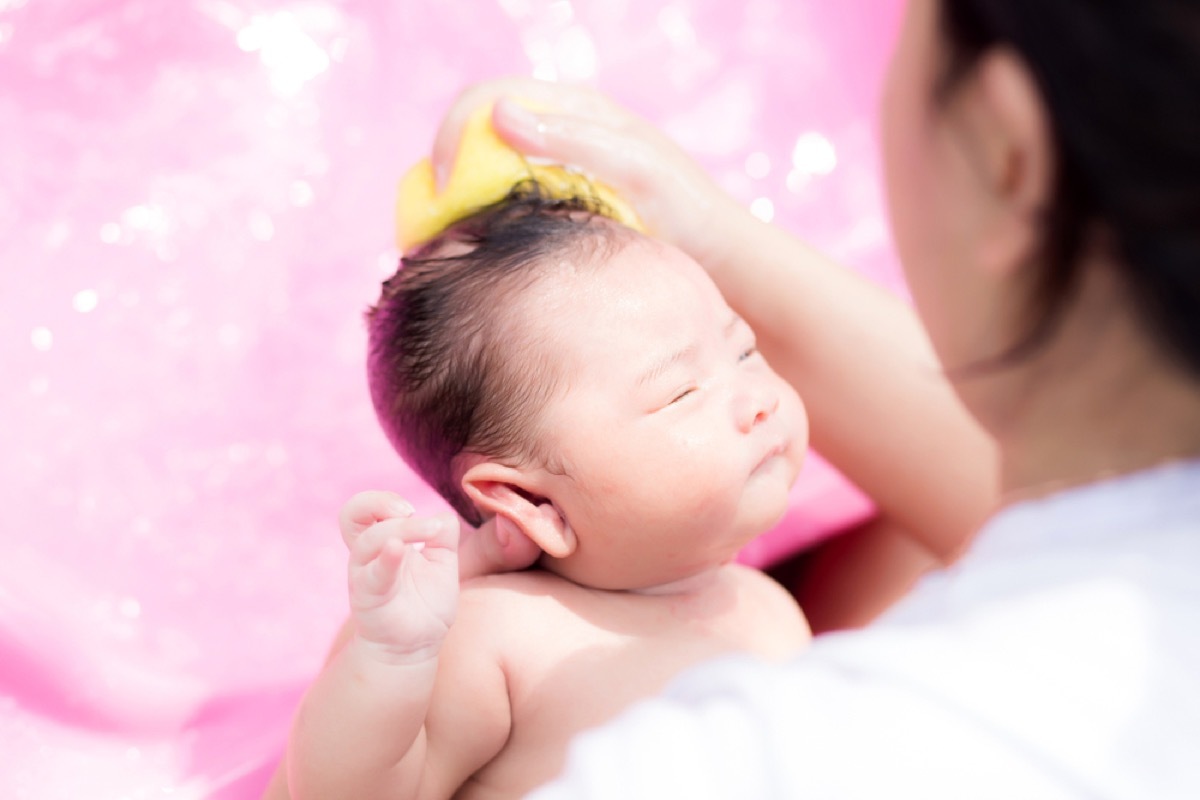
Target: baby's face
<point x="678" y="441"/>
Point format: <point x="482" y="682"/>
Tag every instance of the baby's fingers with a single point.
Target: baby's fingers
<point x="434" y="534"/>
<point x="380" y="573"/>
<point x="366" y="509"/>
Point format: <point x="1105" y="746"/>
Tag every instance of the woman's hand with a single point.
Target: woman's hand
<point x="676" y="199"/>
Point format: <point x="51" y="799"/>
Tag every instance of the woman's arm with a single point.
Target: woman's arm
<point x="881" y="408"/>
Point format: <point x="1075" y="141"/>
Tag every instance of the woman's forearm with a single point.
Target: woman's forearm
<point x="879" y="404"/>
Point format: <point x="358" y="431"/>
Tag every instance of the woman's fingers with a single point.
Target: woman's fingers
<point x="563" y="99"/>
<point x="675" y="198"/>
<point x="445" y="143"/>
<point x="596" y="146"/>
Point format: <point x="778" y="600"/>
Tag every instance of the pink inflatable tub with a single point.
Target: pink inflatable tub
<point x="195" y="207"/>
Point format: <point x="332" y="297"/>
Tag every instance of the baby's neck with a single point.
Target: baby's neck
<point x="692" y="584"/>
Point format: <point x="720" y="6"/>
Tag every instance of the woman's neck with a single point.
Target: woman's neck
<point x="1102" y="400"/>
<point x="1084" y="450"/>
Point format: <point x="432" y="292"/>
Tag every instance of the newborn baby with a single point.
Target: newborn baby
<point x="568" y="381"/>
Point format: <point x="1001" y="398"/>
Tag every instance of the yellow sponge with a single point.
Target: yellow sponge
<point x="484" y="172"/>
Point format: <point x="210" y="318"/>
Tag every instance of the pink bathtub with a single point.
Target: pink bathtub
<point x="195" y="207"/>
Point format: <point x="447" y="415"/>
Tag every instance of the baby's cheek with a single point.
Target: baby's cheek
<point x="704" y="483"/>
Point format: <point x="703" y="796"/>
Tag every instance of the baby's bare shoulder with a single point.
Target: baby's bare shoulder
<point x="759" y="582"/>
<point x="524" y="618"/>
<point x="525" y="583"/>
<point x="766" y="600"/>
<point x="494" y="598"/>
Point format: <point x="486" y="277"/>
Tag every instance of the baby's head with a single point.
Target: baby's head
<point x="454" y="369"/>
<point x="589" y="385"/>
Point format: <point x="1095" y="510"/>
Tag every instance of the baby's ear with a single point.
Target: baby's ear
<point x="510" y="495"/>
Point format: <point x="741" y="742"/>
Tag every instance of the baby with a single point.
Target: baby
<point x="570" y="382"/>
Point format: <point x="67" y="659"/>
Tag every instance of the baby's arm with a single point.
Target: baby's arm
<point x="362" y="728"/>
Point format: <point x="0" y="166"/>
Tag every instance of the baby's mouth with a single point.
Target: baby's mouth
<point x="776" y="451"/>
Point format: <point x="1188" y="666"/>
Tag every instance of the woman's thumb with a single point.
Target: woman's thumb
<point x="525" y="130"/>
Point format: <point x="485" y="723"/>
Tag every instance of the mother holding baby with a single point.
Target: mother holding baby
<point x="1043" y="179"/>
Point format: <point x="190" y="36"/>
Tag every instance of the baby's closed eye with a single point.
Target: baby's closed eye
<point x="680" y="395"/>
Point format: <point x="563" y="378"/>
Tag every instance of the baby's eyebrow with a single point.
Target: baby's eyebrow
<point x="663" y="364"/>
<point x="683" y="354"/>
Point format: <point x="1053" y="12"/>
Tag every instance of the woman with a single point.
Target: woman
<point x="1043" y="172"/>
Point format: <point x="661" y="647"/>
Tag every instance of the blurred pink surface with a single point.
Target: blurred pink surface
<point x="195" y="208"/>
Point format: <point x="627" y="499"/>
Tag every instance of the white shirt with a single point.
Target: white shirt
<point x="1059" y="659"/>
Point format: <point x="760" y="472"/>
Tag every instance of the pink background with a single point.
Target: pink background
<point x="195" y="208"/>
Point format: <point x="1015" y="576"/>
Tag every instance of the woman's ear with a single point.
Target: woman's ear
<point x="511" y="495"/>
<point x="1012" y="147"/>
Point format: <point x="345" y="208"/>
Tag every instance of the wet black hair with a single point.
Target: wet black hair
<point x="1120" y="80"/>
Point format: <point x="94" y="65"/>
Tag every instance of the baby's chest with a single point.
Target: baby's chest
<point x="586" y="673"/>
<point x="574" y="666"/>
<point x="558" y="691"/>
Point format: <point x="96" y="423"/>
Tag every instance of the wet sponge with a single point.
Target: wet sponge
<point x="485" y="171"/>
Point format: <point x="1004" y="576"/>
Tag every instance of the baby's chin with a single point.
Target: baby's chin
<point x="797" y="453"/>
<point x="762" y="523"/>
<point x="768" y="509"/>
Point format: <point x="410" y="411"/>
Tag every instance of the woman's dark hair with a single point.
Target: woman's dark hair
<point x="1120" y="80"/>
<point x="451" y="368"/>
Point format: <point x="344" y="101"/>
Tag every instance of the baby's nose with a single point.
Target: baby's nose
<point x="755" y="405"/>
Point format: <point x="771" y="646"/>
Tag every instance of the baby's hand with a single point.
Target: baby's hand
<point x="403" y="576"/>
